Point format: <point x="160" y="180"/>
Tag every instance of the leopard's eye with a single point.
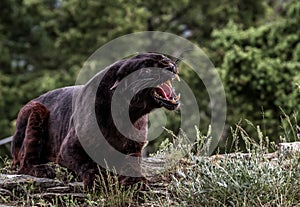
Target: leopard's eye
<point x="171" y="67"/>
<point x="165" y="62"/>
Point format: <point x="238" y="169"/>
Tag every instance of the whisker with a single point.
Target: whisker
<point x="180" y="56"/>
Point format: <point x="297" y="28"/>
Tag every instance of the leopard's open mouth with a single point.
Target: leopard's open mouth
<point x="164" y="94"/>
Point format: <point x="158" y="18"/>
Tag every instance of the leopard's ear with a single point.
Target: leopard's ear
<point x="115" y="85"/>
<point x="178" y="56"/>
<point x="121" y="73"/>
<point x="126" y="68"/>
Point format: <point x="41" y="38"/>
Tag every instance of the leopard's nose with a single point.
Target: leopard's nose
<point x="172" y="67"/>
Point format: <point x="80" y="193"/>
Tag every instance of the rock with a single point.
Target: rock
<point x="76" y="186"/>
<point x="49" y="196"/>
<point x="152" y="166"/>
<point x="10" y="182"/>
<point x="59" y="189"/>
<point x="4" y="192"/>
<point x="289" y="149"/>
<point x="39" y="188"/>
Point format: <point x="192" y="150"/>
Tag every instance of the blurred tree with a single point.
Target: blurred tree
<point x="26" y="56"/>
<point x="44" y="43"/>
<point x="261" y="70"/>
<point x="195" y="20"/>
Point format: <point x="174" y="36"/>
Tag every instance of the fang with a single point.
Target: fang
<point x="169" y="83"/>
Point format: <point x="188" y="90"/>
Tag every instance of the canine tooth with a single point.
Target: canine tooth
<point x="178" y="97"/>
<point x="177" y="77"/>
<point x="169" y="83"/>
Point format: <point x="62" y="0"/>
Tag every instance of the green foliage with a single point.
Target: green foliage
<point x="291" y="127"/>
<point x="44" y="43"/>
<point x="111" y="193"/>
<point x="260" y="69"/>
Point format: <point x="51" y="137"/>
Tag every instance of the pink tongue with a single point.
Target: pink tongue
<point x="166" y="89"/>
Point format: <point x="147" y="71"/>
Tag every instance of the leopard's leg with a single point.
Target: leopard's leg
<point x="72" y="156"/>
<point x="29" y="141"/>
<point x="131" y="172"/>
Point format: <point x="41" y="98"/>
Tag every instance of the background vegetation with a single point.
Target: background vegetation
<point x="254" y="44"/>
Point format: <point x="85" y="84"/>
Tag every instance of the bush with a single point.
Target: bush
<point x="260" y="69"/>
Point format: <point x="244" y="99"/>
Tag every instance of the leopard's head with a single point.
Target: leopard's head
<point x="152" y="78"/>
